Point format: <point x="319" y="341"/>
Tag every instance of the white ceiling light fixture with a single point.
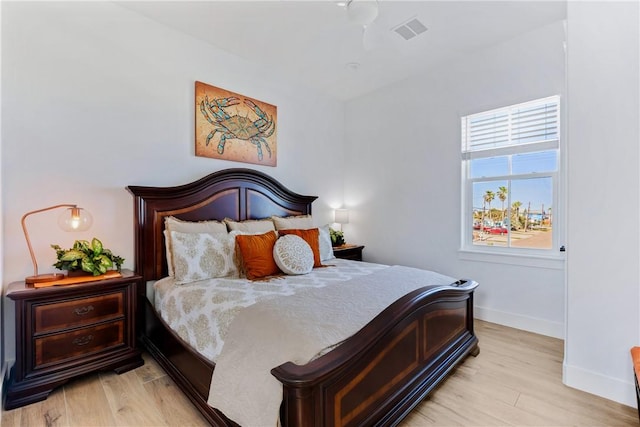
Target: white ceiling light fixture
<point x="362" y="12"/>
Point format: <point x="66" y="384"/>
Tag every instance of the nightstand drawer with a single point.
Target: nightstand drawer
<point x="69" y="345"/>
<point x="78" y="312"/>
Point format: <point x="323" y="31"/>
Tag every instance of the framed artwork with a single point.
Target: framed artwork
<point x="231" y="126"/>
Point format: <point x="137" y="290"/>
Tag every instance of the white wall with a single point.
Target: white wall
<point x="403" y="180"/>
<point x="3" y="368"/>
<point x="603" y="295"/>
<point x="97" y="97"/>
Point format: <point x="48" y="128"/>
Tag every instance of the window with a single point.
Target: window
<point x="510" y="161"/>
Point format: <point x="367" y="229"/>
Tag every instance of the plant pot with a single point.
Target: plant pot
<point x="78" y="273"/>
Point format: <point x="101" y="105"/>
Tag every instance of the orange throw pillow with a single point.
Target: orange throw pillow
<point x="310" y="236"/>
<point x="257" y="254"/>
<point x="635" y="357"/>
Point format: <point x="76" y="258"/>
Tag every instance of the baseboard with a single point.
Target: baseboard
<point x="610" y="388"/>
<point x="518" y="321"/>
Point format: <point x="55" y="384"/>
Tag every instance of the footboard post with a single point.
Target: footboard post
<point x="297" y="407"/>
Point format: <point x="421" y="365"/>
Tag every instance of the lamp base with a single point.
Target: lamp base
<point x="43" y="278"/>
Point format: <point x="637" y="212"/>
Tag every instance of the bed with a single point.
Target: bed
<point x="375" y="377"/>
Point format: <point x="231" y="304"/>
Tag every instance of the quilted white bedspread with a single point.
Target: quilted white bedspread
<point x="200" y="312"/>
<point x="296" y="329"/>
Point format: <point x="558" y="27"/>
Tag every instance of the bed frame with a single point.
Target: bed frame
<point x="374" y="378"/>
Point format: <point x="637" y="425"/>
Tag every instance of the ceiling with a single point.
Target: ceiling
<point x="315" y="42"/>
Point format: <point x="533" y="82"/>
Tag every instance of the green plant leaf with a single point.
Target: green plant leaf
<point x="88" y="266"/>
<point x="96" y="245"/>
<point x="72" y="255"/>
<point x="81" y="245"/>
<point x="103" y="261"/>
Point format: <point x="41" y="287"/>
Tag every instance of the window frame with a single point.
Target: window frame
<point x="518" y="255"/>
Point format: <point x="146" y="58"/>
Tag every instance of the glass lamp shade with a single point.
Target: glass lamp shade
<point x="75" y="219"/>
<point x="341" y="216"/>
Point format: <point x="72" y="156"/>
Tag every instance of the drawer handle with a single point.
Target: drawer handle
<point x="80" y="341"/>
<point x="83" y="310"/>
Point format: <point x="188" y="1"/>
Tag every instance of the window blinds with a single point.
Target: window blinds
<point x="531" y="126"/>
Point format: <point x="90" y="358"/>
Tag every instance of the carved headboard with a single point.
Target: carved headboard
<point x="238" y="194"/>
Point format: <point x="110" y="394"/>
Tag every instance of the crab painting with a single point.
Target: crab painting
<point x="235" y="126"/>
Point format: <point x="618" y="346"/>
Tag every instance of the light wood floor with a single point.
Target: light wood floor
<point x="515" y="381"/>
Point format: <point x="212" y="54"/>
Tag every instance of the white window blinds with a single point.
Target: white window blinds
<point x="530" y="126"/>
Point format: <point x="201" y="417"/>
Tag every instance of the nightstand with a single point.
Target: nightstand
<point x="66" y="331"/>
<point x="347" y="251"/>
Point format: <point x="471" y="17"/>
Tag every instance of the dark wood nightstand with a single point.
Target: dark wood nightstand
<point x="66" y="331"/>
<point x="347" y="251"/>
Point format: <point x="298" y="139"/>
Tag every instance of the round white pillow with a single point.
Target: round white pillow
<point x="293" y="255"/>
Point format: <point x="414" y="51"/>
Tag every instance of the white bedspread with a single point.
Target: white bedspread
<point x="297" y="328"/>
<point x="201" y="312"/>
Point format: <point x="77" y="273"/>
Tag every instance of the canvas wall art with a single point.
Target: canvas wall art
<point x="231" y="126"/>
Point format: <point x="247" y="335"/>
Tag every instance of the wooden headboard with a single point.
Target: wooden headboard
<point x="238" y="194"/>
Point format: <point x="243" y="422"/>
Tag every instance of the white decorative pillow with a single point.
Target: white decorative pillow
<point x="199" y="256"/>
<point x="293" y="255"/>
<point x="174" y="224"/>
<point x="326" y="249"/>
<point x="258" y="226"/>
<point x="167" y="251"/>
<point x="300" y="222"/>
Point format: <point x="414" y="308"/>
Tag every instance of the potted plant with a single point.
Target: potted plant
<point x="337" y="237"/>
<point x="89" y="257"/>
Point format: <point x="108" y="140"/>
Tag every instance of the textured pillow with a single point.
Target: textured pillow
<point x="293" y="255"/>
<point x="326" y="249"/>
<point x="199" y="256"/>
<point x="301" y="222"/>
<point x="174" y="224"/>
<point x="311" y="237"/>
<point x="257" y="254"/>
<point x="250" y="226"/>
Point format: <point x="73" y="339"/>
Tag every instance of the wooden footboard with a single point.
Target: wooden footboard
<point x="377" y="376"/>
<point x="374" y="378"/>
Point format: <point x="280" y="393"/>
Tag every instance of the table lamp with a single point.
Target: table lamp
<point x="341" y="216"/>
<point x="72" y="219"/>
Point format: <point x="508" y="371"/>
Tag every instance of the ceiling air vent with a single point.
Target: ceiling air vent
<point x="410" y="29"/>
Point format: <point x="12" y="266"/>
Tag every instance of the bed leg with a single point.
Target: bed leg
<point x="475" y="351"/>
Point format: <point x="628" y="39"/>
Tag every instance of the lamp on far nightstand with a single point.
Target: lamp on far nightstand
<point x="72" y="219"/>
<point x="341" y="216"/>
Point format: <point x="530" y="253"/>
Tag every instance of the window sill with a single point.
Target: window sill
<point x="554" y="262"/>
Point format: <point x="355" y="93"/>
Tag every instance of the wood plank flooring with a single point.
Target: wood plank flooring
<point x="515" y="381"/>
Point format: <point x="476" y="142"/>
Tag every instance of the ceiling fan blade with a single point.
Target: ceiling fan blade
<point x="375" y="36"/>
<point x="362" y="12"/>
